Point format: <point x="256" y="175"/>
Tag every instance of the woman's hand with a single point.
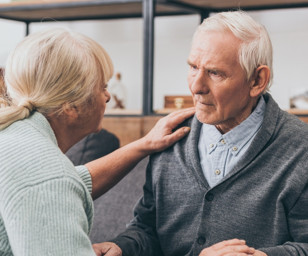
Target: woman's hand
<point x="110" y="169"/>
<point x="163" y="135"/>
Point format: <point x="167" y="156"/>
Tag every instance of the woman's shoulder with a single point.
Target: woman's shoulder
<point x="28" y="158"/>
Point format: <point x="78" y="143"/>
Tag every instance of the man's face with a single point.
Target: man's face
<point x="217" y="82"/>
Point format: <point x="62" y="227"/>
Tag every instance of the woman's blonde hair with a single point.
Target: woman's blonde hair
<point x="256" y="48"/>
<point x="2" y="86"/>
<point x="51" y="68"/>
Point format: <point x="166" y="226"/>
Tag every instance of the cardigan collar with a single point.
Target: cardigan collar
<point x="268" y="126"/>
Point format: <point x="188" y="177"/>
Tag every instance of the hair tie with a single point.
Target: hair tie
<point x="27" y="104"/>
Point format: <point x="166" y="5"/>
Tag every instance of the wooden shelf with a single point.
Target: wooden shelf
<point x="122" y="112"/>
<point x="220" y="5"/>
<point x="63" y="10"/>
<point x="68" y="10"/>
<point x="131" y="128"/>
<point x="298" y="112"/>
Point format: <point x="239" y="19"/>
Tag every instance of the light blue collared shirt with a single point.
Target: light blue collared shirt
<point x="219" y="153"/>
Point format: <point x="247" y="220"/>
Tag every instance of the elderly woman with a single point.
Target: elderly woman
<point x="56" y="83"/>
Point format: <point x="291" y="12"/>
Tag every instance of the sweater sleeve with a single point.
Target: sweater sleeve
<point x="298" y="227"/>
<point x="50" y="218"/>
<point x="85" y="175"/>
<point x="140" y="237"/>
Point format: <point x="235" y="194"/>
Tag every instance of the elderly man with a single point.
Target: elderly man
<point x="237" y="185"/>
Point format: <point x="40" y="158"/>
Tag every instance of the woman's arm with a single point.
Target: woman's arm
<point x="110" y="169"/>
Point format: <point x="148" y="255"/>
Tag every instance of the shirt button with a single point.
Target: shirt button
<point x="211" y="145"/>
<point x="209" y="197"/>
<point x="217" y="172"/>
<point x="223" y="141"/>
<point x="234" y="148"/>
<point x="201" y="240"/>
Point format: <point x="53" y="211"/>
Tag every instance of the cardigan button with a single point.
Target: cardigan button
<point x="209" y="197"/>
<point x="201" y="240"/>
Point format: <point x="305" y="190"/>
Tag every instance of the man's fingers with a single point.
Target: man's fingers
<point x="233" y="247"/>
<point x="113" y="252"/>
<point x="236" y="246"/>
<point x="100" y="249"/>
<point x="229" y="242"/>
<point x="107" y="249"/>
<point x="240" y="249"/>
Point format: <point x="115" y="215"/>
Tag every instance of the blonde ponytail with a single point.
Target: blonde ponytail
<point x="10" y="114"/>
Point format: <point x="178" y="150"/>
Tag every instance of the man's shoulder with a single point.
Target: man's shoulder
<point x="280" y="121"/>
<point x="188" y="122"/>
<point x="181" y="147"/>
<point x="294" y="125"/>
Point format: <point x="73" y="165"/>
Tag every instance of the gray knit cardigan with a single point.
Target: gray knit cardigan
<point x="263" y="200"/>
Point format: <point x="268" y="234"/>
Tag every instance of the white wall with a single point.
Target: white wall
<point x="11" y="33"/>
<point x="123" y="39"/>
<point x="172" y="44"/>
<point x="289" y="34"/>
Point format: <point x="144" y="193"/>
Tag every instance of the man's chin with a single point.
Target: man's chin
<point x="204" y="117"/>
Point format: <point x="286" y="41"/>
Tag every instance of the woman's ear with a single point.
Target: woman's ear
<point x="260" y="81"/>
<point x="70" y="111"/>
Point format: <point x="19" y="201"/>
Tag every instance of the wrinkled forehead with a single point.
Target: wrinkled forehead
<point x="216" y="41"/>
<point x="215" y="50"/>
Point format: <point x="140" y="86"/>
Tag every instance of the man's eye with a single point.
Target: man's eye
<point x="193" y="67"/>
<point x="214" y="73"/>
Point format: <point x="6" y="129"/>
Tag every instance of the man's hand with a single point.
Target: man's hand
<point x="234" y="247"/>
<point x="107" y="249"/>
<point x="259" y="253"/>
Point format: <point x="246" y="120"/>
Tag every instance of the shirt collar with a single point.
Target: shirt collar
<point x="235" y="139"/>
<point x="211" y="137"/>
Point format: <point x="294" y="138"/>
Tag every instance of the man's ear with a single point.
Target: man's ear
<point x="260" y="81"/>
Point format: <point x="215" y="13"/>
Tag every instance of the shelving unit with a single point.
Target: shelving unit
<point x="130" y="127"/>
<point x="70" y="10"/>
<point x="300" y="113"/>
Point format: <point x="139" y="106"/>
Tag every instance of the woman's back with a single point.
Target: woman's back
<point x="42" y="195"/>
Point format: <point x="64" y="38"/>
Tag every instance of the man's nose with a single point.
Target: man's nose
<point x="200" y="83"/>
